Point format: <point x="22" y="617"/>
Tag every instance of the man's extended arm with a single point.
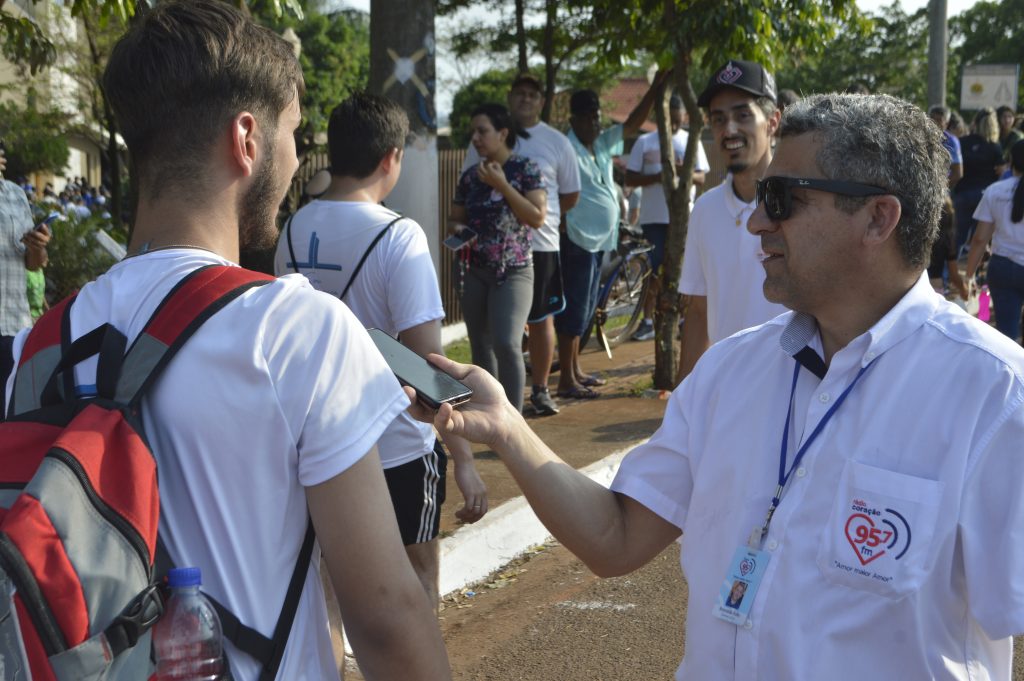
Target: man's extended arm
<point x="636" y="118"/>
<point x="387" y="616"/>
<point x="612" y="533"/>
<point x="424" y="339"/>
<point x="693" y="342"/>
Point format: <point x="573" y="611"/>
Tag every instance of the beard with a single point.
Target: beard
<point x="257" y="210"/>
<point x="737" y="167"/>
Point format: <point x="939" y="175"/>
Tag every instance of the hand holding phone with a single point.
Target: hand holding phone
<point x="433" y="387"/>
<point x="460" y="239"/>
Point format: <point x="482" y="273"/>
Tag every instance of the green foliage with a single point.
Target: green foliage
<point x="25" y="43"/>
<point x="987" y="33"/>
<point x="490" y="86"/>
<point x="887" y="52"/>
<point x="75" y="257"/>
<point x="335" y="56"/>
<point x="34" y="139"/>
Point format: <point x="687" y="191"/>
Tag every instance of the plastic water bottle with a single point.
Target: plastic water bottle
<point x="984" y="304"/>
<point x="187" y="638"/>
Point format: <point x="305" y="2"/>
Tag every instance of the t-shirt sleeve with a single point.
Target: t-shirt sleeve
<point x="983" y="213"/>
<point x="955" y="155"/>
<point x="531" y="176"/>
<point x="659" y="474"/>
<point x="702" y="160"/>
<point x="333" y="387"/>
<point x="413" y="293"/>
<point x="991" y="522"/>
<point x="692" y="281"/>
<point x="610" y="139"/>
<point x="568" y="168"/>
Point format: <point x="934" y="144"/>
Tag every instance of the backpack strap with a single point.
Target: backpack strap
<point x="195" y="299"/>
<point x="43" y="348"/>
<point x="359" y="266"/>
<point x="288" y="238"/>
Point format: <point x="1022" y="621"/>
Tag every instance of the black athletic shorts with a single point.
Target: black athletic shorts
<point x="417" y="492"/>
<point x="548" y="298"/>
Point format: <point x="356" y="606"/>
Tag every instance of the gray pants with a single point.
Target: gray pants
<point x="495" y="316"/>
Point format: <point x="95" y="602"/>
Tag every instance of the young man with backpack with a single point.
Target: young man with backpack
<point x="378" y="263"/>
<point x="265" y="421"/>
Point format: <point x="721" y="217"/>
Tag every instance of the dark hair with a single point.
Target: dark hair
<point x="363" y="130"/>
<point x="1005" y="109"/>
<point x="177" y="78"/>
<point x="501" y="119"/>
<point x="938" y="110"/>
<point x="1017" y="163"/>
<point x="787" y="97"/>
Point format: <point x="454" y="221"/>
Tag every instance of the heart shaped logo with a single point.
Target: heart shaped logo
<point x="747" y="565"/>
<point x="730" y="74"/>
<point x="864" y="537"/>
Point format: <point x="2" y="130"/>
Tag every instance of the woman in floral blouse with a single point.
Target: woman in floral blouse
<point x="502" y="199"/>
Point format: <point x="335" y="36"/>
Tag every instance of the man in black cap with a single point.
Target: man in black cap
<point x="643" y="170"/>
<point x="591" y="227"/>
<point x="722" y="274"/>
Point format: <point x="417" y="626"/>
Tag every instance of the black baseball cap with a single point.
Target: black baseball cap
<point x="584" y="102"/>
<point x="743" y="75"/>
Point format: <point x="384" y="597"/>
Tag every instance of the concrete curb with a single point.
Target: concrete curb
<point x="475" y="551"/>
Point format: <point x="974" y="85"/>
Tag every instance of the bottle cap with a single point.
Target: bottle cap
<point x="186" y="576"/>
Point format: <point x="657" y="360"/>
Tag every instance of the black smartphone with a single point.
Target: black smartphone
<point x="433" y="386"/>
<point x="457" y="241"/>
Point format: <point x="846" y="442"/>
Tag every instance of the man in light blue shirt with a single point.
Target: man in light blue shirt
<point x="591" y="227"/>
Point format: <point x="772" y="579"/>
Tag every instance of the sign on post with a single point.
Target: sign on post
<point x="989" y="85"/>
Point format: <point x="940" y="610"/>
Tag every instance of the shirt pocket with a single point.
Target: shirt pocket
<point x="879" y="535"/>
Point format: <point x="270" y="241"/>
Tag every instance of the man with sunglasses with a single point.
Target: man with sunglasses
<point x="721" y="274"/>
<point x="819" y="458"/>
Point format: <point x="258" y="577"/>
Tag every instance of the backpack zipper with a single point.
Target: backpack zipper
<point x="108" y="513"/>
<point x="38" y="609"/>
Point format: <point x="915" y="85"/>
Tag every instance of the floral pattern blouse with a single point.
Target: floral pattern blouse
<point x="502" y="242"/>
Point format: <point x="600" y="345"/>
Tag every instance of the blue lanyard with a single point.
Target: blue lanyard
<point x="783" y="473"/>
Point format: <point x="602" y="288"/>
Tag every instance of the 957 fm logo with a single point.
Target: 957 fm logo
<point x="875" y="532"/>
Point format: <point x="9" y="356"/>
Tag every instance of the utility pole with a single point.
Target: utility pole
<point x="402" y="68"/>
<point x="937" y="43"/>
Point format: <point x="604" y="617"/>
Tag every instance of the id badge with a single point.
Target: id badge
<point x="736" y="596"/>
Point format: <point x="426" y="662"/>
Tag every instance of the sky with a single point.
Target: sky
<point x="450" y="76"/>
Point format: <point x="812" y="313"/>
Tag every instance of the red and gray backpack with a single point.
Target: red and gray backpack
<point x="81" y="564"/>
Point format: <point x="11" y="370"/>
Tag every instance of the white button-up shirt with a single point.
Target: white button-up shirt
<point x="897" y="551"/>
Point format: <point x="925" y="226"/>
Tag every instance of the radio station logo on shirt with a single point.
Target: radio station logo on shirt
<point x="873" y="532"/>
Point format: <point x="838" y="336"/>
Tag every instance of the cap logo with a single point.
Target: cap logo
<point x="729" y="75"/>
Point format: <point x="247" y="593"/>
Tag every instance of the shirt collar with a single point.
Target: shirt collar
<point x="734" y="204"/>
<point x="914" y="309"/>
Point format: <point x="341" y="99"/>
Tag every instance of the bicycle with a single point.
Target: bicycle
<point x="625" y="280"/>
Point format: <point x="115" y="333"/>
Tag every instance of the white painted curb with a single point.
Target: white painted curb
<point x="475" y="551"/>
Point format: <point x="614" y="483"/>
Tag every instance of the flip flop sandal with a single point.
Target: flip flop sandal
<point x="578" y="393"/>
<point x="592" y="382"/>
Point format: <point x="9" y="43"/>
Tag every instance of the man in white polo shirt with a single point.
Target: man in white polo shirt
<point x="852" y="467"/>
<point x="722" y="274"/>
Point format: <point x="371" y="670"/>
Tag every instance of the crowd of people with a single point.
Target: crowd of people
<point x="885" y="485"/>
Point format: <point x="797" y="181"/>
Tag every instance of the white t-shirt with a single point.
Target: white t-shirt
<point x="722" y="261"/>
<point x="996" y="204"/>
<point x="553" y="153"/>
<point x="645" y="158"/>
<point x="395" y="290"/>
<point x="926" y="449"/>
<point x="280" y="390"/>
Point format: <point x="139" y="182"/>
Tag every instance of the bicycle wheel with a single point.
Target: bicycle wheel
<point x="625" y="304"/>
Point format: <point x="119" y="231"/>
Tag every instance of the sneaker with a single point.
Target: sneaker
<point x="644" y="332"/>
<point x="542" y="402"/>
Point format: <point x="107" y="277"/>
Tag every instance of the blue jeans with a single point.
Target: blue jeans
<point x="581" y="278"/>
<point x="1006" y="285"/>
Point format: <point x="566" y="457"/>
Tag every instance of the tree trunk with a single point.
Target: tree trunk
<point x="551" y="11"/>
<point x="402" y="69"/>
<point x="521" y="63"/>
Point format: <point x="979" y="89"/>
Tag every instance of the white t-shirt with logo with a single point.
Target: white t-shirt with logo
<point x="553" y="153"/>
<point x="995" y="207"/>
<point x="645" y="158"/>
<point x="395" y="290"/>
<point x="279" y="391"/>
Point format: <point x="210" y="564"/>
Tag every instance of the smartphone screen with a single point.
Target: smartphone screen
<point x="432" y="385"/>
<point x="457" y="241"/>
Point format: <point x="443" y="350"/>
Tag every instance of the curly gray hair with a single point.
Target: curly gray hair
<point x="882" y="141"/>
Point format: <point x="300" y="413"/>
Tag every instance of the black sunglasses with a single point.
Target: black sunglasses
<point x="776" y="193"/>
